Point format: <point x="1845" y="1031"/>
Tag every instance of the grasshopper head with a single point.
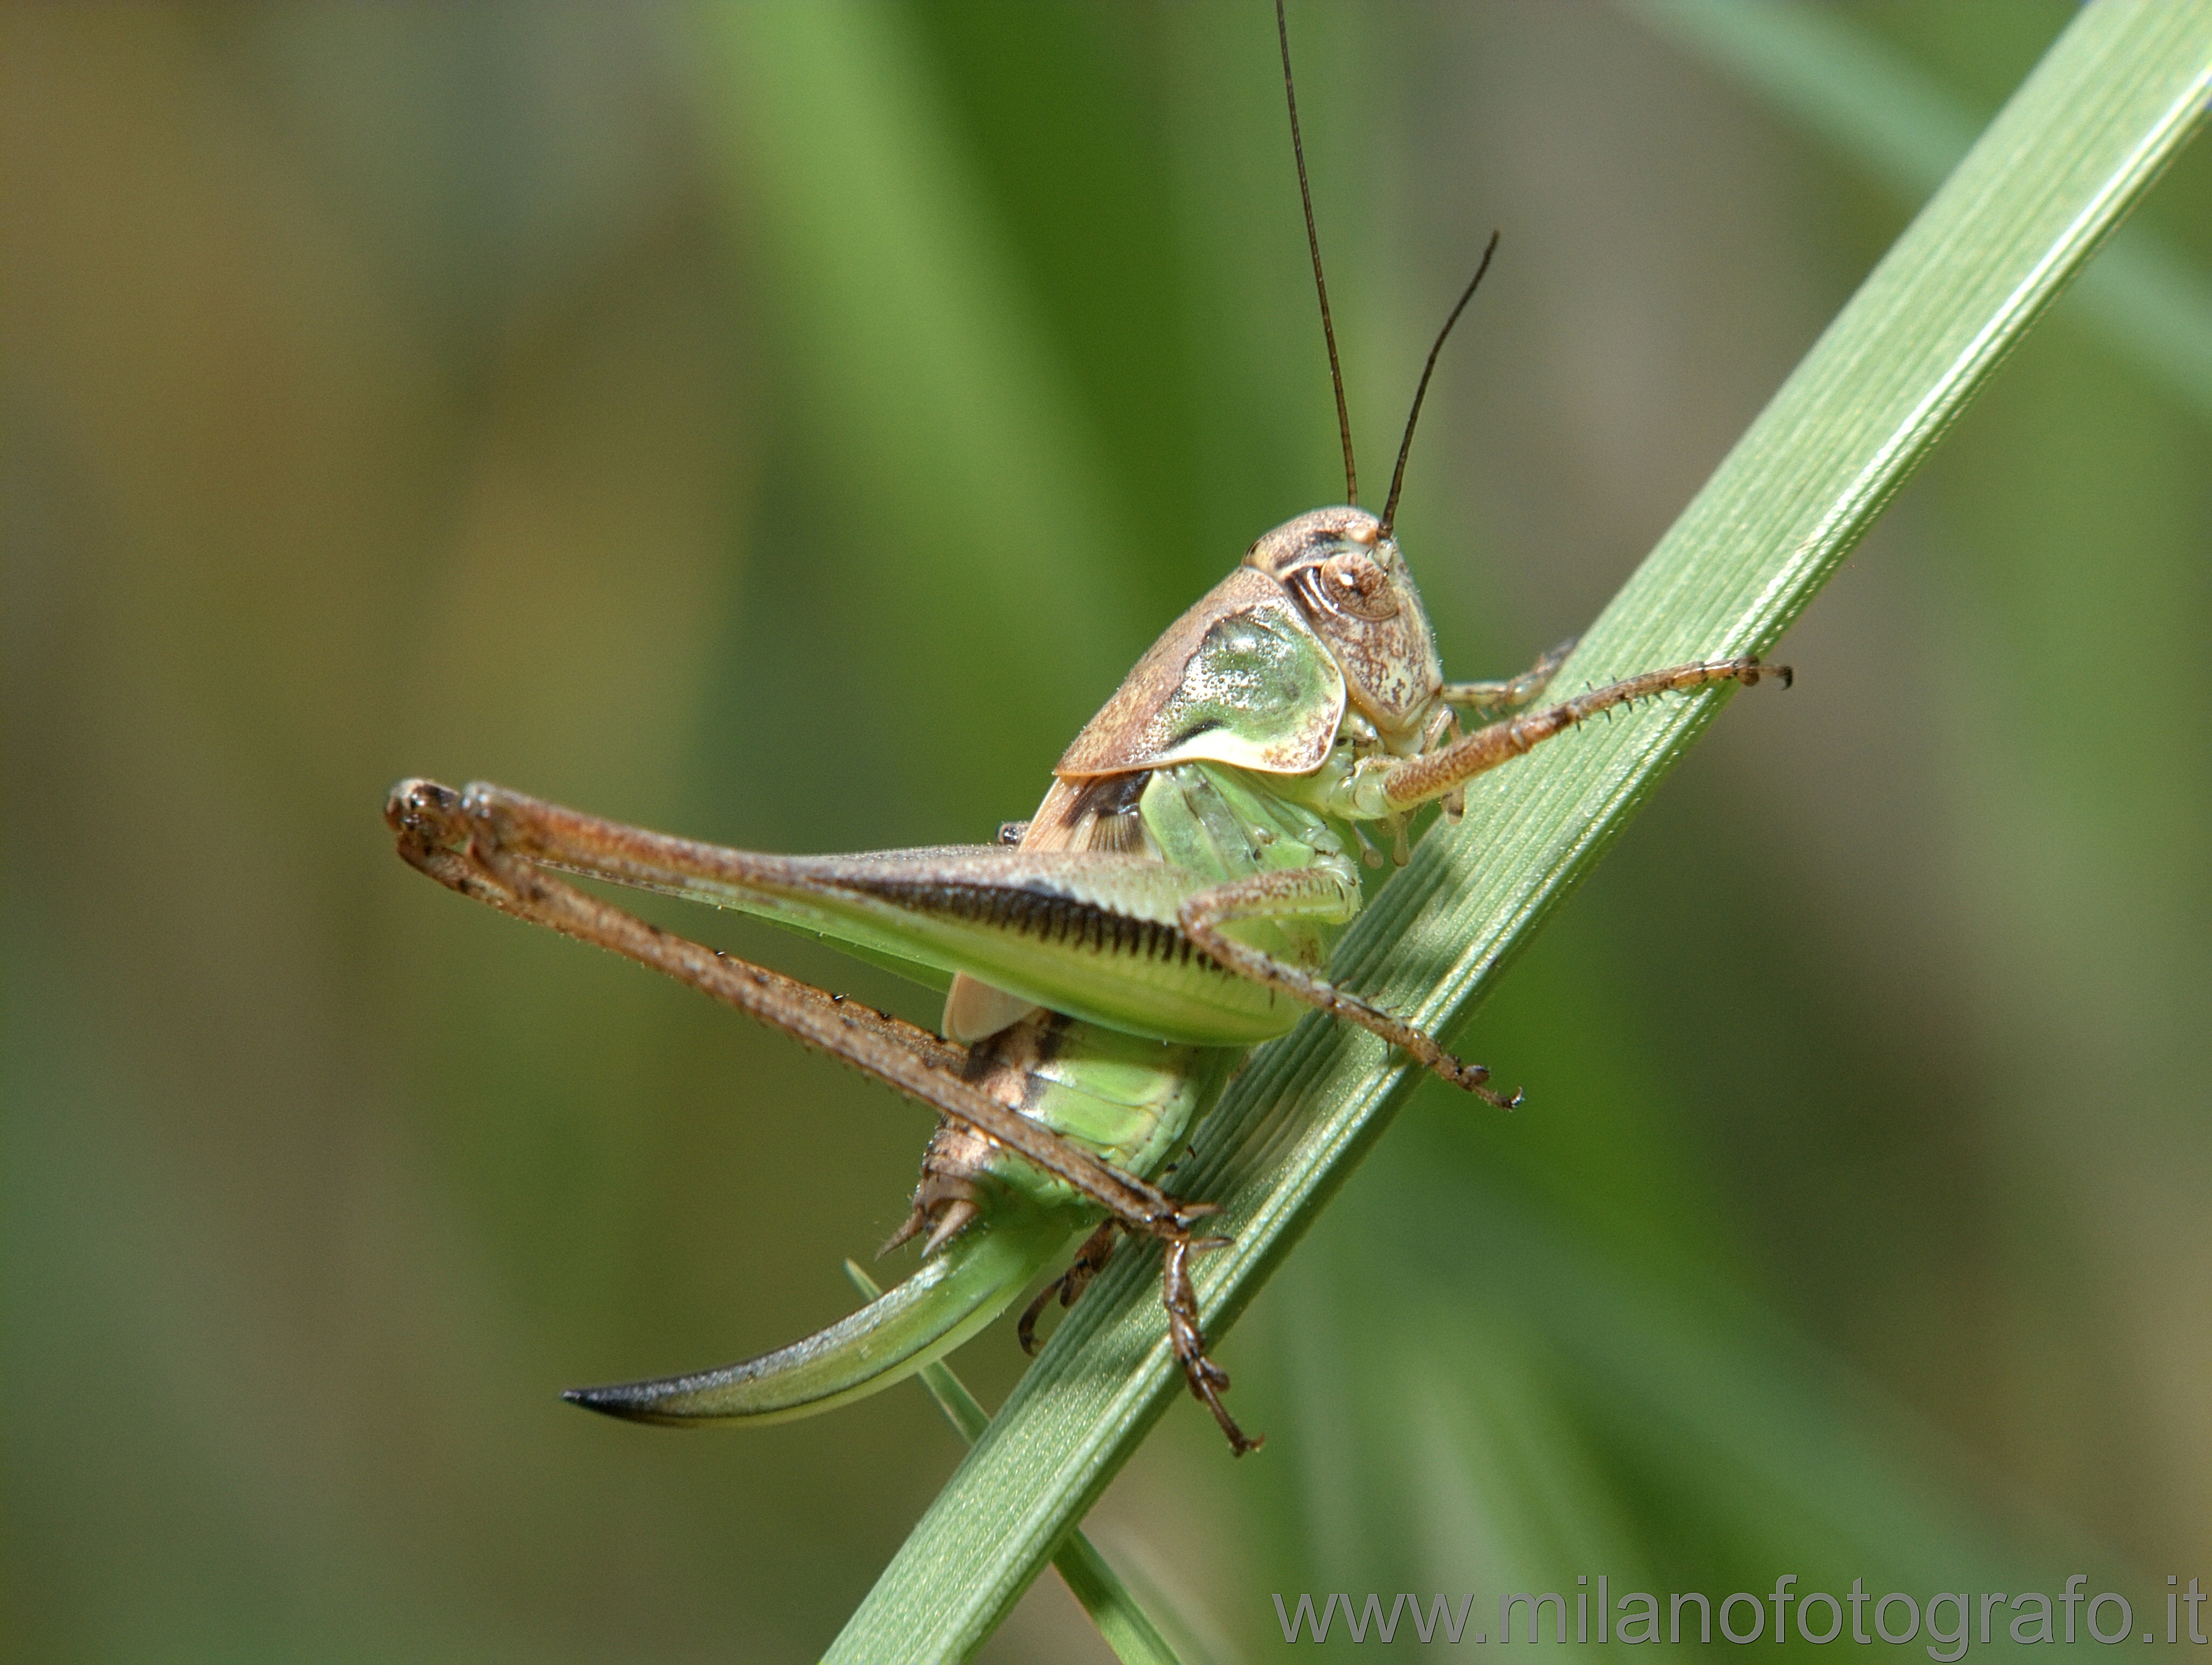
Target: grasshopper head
<point x="1352" y="584"/>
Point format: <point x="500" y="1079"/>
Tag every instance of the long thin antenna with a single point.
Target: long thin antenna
<point x="1406" y="446"/>
<point x="1321" y="283"/>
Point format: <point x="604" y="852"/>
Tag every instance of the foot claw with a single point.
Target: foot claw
<point x="1025" y="1330"/>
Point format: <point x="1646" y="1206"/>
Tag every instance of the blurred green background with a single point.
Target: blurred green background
<point x="782" y="426"/>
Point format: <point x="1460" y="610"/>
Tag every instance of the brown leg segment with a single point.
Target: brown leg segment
<point x="1418" y="780"/>
<point x="1505" y="696"/>
<point x="1309" y="892"/>
<point x="1090" y="1261"/>
<point x="1207" y="1380"/>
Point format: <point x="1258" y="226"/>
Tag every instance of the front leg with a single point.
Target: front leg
<point x="1315" y="893"/>
<point x="1378" y="789"/>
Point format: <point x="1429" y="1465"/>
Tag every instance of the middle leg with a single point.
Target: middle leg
<point x="1314" y="893"/>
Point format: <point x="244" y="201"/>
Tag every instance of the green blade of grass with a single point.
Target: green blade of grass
<point x="2081" y="140"/>
<point x="1120" y="1621"/>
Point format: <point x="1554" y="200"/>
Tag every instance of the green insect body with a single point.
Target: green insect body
<point x="1172" y="903"/>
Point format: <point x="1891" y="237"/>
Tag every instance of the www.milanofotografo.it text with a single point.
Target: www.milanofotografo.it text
<point x="1947" y="1622"/>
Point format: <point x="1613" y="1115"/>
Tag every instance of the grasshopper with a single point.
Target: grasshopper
<point x="1108" y="962"/>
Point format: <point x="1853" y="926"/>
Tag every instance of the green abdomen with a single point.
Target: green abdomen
<point x="1128" y="1100"/>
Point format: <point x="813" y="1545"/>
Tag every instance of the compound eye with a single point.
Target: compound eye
<point x="1352" y="582"/>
